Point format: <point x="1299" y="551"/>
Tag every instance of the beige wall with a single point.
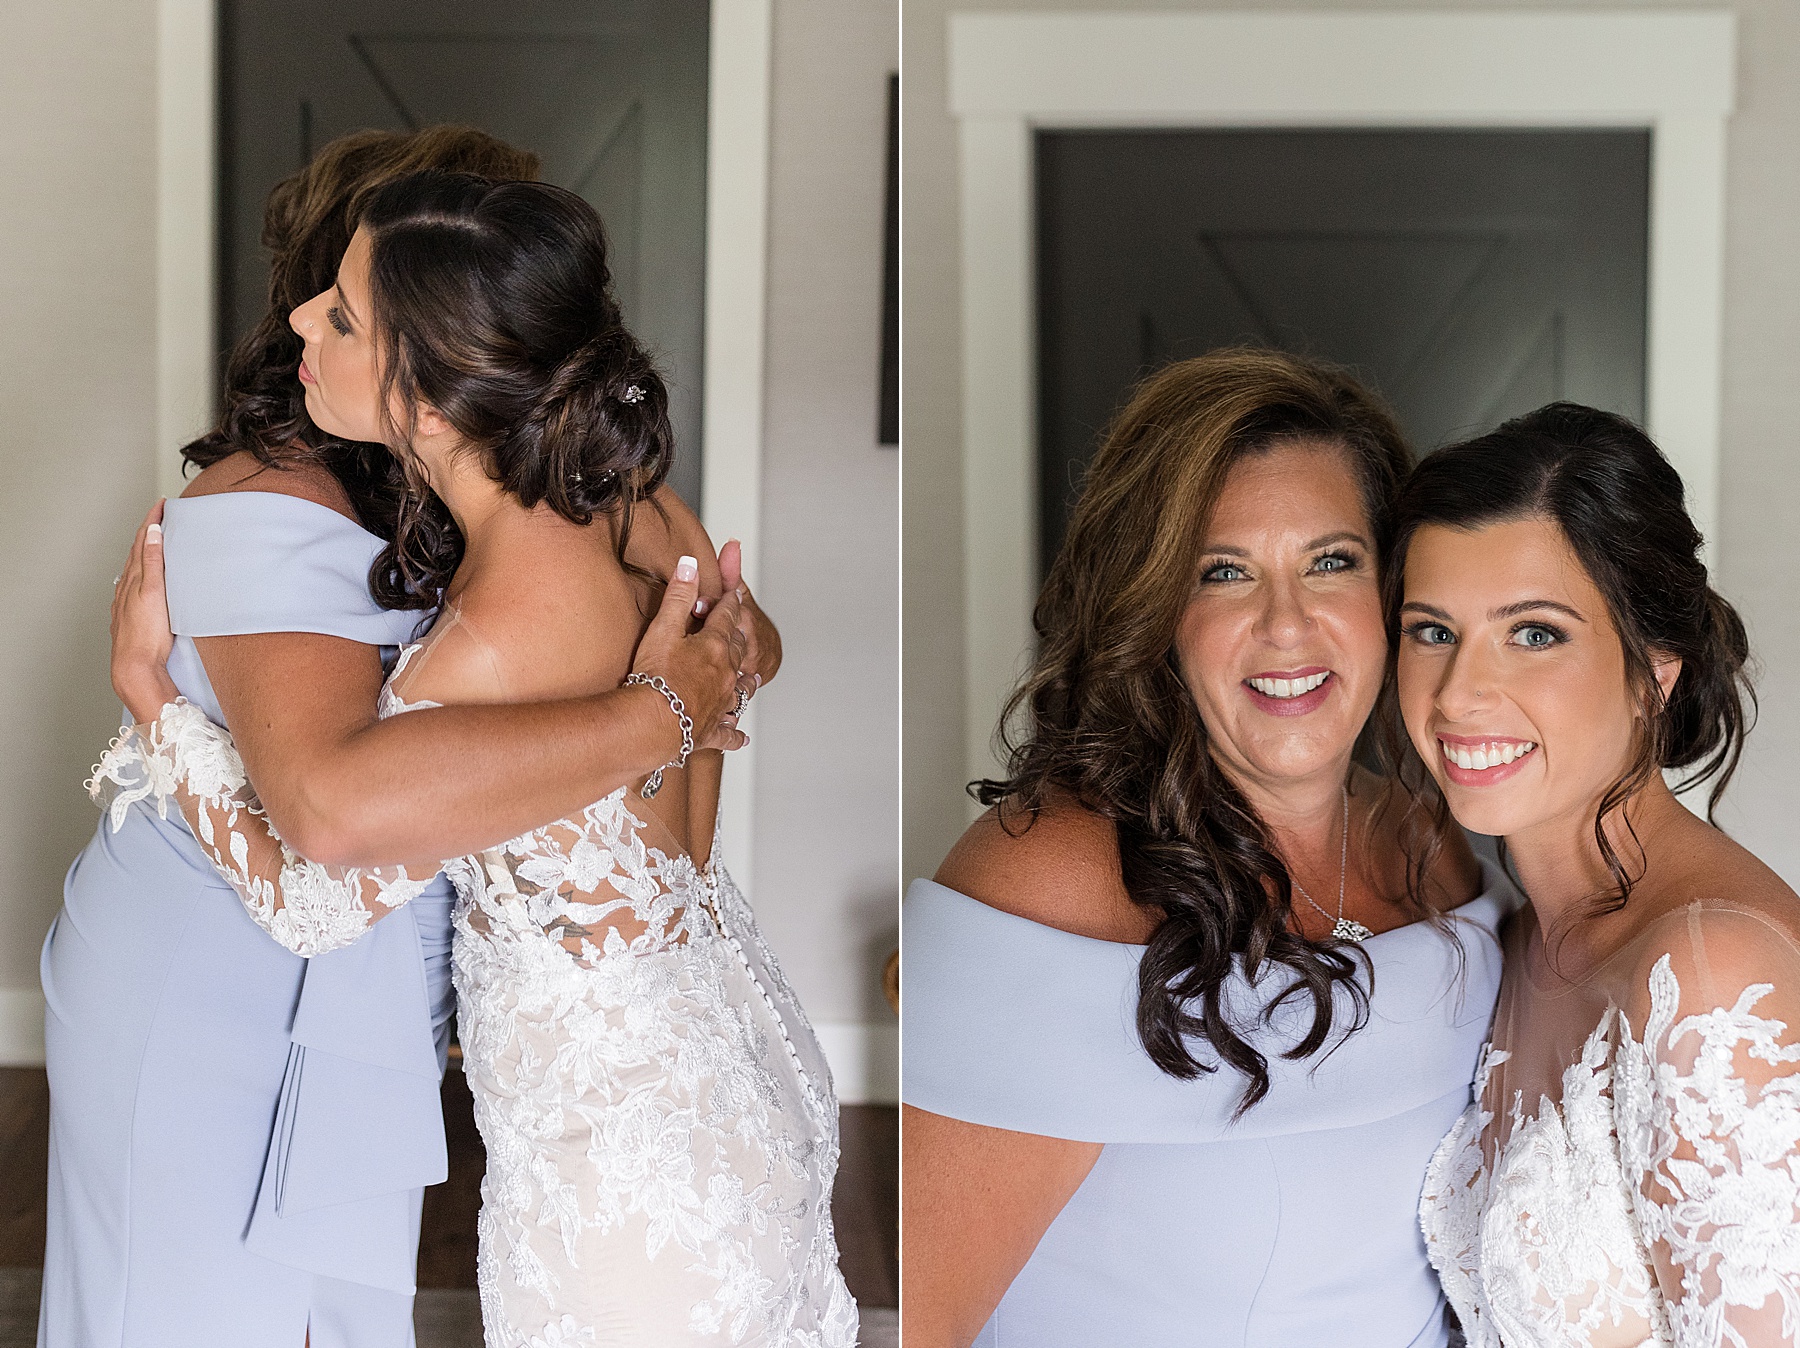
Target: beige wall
<point x="827" y="735"/>
<point x="77" y="388"/>
<point x="1760" y="510"/>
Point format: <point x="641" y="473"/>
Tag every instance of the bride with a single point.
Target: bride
<point x="1629" y="1172"/>
<point x="660" y="1126"/>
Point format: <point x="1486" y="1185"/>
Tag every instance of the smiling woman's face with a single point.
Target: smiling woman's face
<point x="339" y="367"/>
<point x="1282" y="645"/>
<point x="1512" y="675"/>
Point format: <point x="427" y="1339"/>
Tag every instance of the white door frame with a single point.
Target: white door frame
<point x="1013" y="74"/>
<point x="737" y="180"/>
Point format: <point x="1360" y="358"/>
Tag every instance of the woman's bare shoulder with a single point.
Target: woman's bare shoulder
<point x="1057" y="865"/>
<point x="554" y="613"/>
<point x="242" y="471"/>
<point x="1722" y="919"/>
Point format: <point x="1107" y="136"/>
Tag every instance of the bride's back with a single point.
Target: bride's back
<point x="545" y="609"/>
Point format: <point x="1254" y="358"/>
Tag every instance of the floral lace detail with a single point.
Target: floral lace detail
<point x="656" y="1154"/>
<point x="660" y="1155"/>
<point x="1658" y="1153"/>
<point x="660" y="1158"/>
<point x="1715" y="1162"/>
<point x="307" y="906"/>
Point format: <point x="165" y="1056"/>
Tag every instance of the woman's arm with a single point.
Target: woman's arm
<point x="183" y="758"/>
<point x="347" y="789"/>
<point x="976" y="1202"/>
<point x="1709" y="1132"/>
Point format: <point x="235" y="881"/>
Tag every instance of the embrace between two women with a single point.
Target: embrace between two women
<point x="1230" y="1023"/>
<point x="436" y="696"/>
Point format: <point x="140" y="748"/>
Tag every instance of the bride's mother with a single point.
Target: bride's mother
<point x="1185" y="1012"/>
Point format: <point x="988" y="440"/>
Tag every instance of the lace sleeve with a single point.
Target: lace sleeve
<point x="307" y="906"/>
<point x="1709" y="1133"/>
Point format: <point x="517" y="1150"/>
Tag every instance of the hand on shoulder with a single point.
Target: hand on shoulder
<point x="1057" y="865"/>
<point x="664" y="529"/>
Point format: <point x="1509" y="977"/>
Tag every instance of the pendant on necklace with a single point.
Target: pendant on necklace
<point x="1348" y="929"/>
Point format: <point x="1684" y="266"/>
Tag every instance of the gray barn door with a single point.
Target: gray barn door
<point x="610" y="93"/>
<point x="1468" y="275"/>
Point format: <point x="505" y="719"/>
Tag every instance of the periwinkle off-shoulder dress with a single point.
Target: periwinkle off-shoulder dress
<point x="239" y="1137"/>
<point x="1294" y="1225"/>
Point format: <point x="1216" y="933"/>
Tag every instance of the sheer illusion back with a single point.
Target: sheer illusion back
<point x="616" y="874"/>
<point x="1630" y="1170"/>
<point x="660" y="1126"/>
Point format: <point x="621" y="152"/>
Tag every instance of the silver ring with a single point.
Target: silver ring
<point x="743" y="700"/>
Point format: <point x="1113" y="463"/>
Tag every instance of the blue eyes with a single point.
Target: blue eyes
<point x="1536" y="636"/>
<point x="1531" y="636"/>
<point x="333" y="317"/>
<point x="1431" y="634"/>
<point x="1331" y="564"/>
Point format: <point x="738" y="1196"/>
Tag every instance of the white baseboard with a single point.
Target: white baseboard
<point x="21" y="1027"/>
<point x="864" y="1057"/>
<point x="865" y="1060"/>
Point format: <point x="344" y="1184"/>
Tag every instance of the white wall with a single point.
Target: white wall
<point x="77" y="418"/>
<point x="827" y="735"/>
<point x="1760" y="500"/>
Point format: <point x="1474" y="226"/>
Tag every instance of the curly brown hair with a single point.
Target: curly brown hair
<point x="1105" y="717"/>
<point x="307" y="225"/>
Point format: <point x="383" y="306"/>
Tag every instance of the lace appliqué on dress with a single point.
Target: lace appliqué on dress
<point x="1658" y="1153"/>
<point x="655" y="1150"/>
<point x="1714" y="1162"/>
<point x="660" y="1156"/>
<point x="307" y="906"/>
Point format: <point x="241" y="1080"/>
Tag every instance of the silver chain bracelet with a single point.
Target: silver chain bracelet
<point x="654" y="783"/>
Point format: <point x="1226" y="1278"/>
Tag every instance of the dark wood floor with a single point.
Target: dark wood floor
<point x="24" y="1156"/>
<point x="865" y="1205"/>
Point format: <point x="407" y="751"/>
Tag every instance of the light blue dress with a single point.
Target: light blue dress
<point x="1296" y="1225"/>
<point x="239" y="1137"/>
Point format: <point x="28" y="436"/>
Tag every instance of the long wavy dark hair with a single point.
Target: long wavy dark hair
<point x="1620" y="504"/>
<point x="493" y="305"/>
<point x="1104" y="716"/>
<point x="307" y="225"/>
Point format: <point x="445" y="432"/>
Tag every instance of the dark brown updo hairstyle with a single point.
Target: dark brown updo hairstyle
<point x="307" y="225"/>
<point x="493" y="305"/>
<point x="1619" y="504"/>
<point x="1104" y="717"/>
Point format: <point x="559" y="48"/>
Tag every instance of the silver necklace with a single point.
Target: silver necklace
<point x="1347" y="928"/>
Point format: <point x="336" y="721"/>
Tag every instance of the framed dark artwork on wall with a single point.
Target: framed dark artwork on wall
<point x="888" y="416"/>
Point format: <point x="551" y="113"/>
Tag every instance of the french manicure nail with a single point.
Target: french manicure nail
<point x="686" y="569"/>
<point x="154" y="531"/>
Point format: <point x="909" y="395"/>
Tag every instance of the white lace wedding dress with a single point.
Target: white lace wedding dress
<point x="1629" y="1172"/>
<point x="660" y="1125"/>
